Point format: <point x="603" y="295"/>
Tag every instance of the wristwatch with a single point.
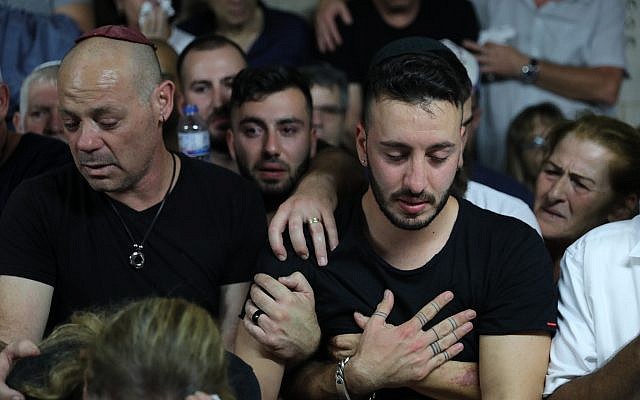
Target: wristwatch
<point x="529" y="72"/>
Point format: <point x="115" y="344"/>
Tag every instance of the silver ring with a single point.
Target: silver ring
<point x="446" y="355"/>
<point x="435" y="306"/>
<point x="382" y="314"/>
<point x="313" y="220"/>
<point x="455" y="336"/>
<point x="422" y="318"/>
<point x="453" y="322"/>
<point x="256" y="315"/>
<point x="435" y="347"/>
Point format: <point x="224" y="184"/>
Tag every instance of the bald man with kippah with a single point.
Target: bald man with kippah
<point x="130" y="219"/>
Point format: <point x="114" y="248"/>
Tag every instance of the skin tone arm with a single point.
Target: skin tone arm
<point x="617" y="379"/>
<point x="513" y="367"/>
<point x="285" y="333"/>
<point x="231" y="300"/>
<point x="316" y="196"/>
<point x="82" y="13"/>
<point x="592" y="84"/>
<point x="24" y="309"/>
<point x="387" y="355"/>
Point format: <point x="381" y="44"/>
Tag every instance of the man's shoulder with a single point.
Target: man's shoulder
<point x="501" y="203"/>
<point x="614" y="235"/>
<point x="489" y="221"/>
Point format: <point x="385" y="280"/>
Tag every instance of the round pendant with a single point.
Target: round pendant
<point x="136" y="259"/>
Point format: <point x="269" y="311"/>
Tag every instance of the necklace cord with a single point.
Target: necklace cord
<point x="155" y="217"/>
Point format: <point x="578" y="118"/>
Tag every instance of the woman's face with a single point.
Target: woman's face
<point x="573" y="191"/>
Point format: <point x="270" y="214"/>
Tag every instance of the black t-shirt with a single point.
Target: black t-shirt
<point x="34" y="155"/>
<point x="452" y="19"/>
<point x="59" y="231"/>
<point x="493" y="264"/>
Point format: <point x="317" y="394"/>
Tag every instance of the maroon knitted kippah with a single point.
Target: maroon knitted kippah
<point x="117" y="32"/>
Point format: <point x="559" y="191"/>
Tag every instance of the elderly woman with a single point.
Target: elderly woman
<point x="590" y="176"/>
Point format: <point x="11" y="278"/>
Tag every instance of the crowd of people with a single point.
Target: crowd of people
<point x="426" y="200"/>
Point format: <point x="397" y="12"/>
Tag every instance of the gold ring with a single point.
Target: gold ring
<point x="313" y="220"/>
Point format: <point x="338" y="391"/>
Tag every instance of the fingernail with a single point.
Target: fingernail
<point x="322" y="261"/>
<point x="387" y="292"/>
<point x="467" y="326"/>
<point x="304" y="256"/>
<point x="448" y="296"/>
<point x="470" y="314"/>
<point x="281" y="257"/>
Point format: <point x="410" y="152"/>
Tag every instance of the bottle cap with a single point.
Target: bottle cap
<point x="190" y="109"/>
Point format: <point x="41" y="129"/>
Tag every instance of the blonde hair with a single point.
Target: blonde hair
<point x="154" y="349"/>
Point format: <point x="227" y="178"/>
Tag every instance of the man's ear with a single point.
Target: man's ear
<point x="361" y="144"/>
<point x="313" y="145"/>
<point x="16" y="122"/>
<point x="4" y="100"/>
<point x="623" y="209"/>
<point x="231" y="144"/>
<point x="164" y="97"/>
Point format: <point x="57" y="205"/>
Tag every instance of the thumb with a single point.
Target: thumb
<point x="344" y="13"/>
<point x="361" y="320"/>
<point x="296" y="282"/>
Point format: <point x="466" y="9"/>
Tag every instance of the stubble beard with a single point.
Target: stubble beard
<point x="399" y="221"/>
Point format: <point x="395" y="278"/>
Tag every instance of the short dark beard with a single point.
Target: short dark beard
<point x="272" y="199"/>
<point x="394" y="219"/>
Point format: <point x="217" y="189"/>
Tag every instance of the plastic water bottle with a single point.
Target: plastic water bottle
<point x="193" y="136"/>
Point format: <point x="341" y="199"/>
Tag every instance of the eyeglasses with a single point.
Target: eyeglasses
<point x="538" y="142"/>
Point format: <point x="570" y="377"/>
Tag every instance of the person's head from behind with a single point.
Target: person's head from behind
<point x="39" y="102"/>
<point x="412" y="137"/>
<point x="589" y="177"/>
<point x="527" y="138"/>
<point x="206" y="68"/>
<point x="113" y="108"/>
<point x="330" y="98"/>
<point x="155" y="348"/>
<point x="271" y="136"/>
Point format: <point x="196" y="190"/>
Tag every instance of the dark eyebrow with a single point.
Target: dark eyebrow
<point x="253" y="120"/>
<point x="571" y="174"/>
<point x="433" y="147"/>
<point x="201" y="82"/>
<point x="290" y="120"/>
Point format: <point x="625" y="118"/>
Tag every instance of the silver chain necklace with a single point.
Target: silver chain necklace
<point x="136" y="259"/>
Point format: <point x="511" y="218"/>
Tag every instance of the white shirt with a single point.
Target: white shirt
<point x="599" y="307"/>
<point x="586" y="33"/>
<point x="179" y="39"/>
<point x="500" y="203"/>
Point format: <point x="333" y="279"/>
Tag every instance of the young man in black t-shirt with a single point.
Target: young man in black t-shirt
<point x="408" y="235"/>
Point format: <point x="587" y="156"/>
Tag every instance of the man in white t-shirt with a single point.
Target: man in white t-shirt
<point x="594" y="354"/>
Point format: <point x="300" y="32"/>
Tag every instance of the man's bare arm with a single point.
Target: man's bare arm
<point x="513" y="367"/>
<point x="332" y="172"/>
<point x="387" y="355"/>
<point x="231" y="300"/>
<point x="592" y="84"/>
<point x="618" y="379"/>
<point x="24" y="308"/>
<point x="268" y="369"/>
